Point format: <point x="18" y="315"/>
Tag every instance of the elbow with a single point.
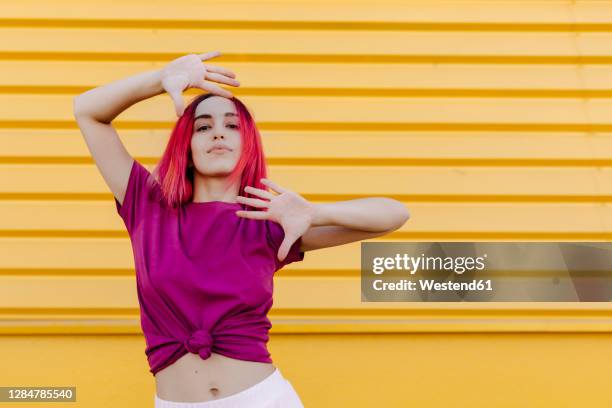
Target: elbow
<point x="76" y="107"/>
<point x="400" y="215"/>
<point x="403" y="215"/>
<point x="79" y="106"/>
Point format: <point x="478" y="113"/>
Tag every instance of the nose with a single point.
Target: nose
<point x="217" y="130"/>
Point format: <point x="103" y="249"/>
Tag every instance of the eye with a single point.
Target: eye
<point x="206" y="126"/>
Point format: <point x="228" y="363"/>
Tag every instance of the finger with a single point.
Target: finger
<point x="209" y="55"/>
<point x="252" y="202"/>
<point x="283" y="251"/>
<point x="215" y="89"/>
<point x="255" y="215"/>
<point x="179" y="105"/>
<point x="273" y="185"/>
<point x="211" y="76"/>
<point x="220" y="70"/>
<point x="259" y="192"/>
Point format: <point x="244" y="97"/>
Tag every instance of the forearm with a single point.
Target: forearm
<point x="106" y="102"/>
<point x="367" y="214"/>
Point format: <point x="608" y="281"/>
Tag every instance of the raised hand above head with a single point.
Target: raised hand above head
<point x="189" y="72"/>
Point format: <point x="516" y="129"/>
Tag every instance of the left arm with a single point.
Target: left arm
<point x="322" y="225"/>
<point x="353" y="220"/>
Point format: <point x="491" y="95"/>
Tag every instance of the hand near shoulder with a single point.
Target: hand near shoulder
<point x="292" y="211"/>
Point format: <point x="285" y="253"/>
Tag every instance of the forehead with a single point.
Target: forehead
<point x="215" y="106"/>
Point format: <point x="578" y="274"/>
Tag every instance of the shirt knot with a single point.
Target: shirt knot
<point x="199" y="342"/>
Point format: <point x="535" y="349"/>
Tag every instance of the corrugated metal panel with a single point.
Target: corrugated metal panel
<point x="487" y="125"/>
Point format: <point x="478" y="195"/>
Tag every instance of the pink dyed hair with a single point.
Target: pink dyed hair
<point x="174" y="175"/>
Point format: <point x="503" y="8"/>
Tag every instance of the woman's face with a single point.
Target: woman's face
<point x="216" y="125"/>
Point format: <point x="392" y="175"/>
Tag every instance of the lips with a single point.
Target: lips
<point x="219" y="149"/>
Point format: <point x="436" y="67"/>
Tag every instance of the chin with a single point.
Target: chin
<point x="218" y="171"/>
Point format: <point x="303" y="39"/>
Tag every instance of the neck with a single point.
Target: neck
<point x="213" y="188"/>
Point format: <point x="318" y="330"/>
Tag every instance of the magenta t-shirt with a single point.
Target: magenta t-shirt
<point x="204" y="275"/>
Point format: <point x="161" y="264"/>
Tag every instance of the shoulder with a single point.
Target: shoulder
<point x="275" y="234"/>
<point x="142" y="196"/>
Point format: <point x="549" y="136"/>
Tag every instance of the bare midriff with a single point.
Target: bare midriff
<point x="193" y="379"/>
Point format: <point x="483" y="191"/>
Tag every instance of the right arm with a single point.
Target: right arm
<point x="94" y="111"/>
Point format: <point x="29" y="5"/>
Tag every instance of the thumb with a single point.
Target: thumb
<point x="179" y="105"/>
<point x="285" y="246"/>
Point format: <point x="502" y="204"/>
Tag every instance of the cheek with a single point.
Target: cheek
<point x="197" y="145"/>
<point x="237" y="148"/>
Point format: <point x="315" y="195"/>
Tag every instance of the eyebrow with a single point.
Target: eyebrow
<point x="207" y="116"/>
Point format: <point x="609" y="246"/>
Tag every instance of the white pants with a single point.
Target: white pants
<point x="273" y="391"/>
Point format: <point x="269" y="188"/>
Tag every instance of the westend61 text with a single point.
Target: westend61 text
<point x="429" y="284"/>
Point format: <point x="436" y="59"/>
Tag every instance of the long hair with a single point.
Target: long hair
<point x="176" y="178"/>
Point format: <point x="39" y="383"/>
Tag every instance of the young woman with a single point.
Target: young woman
<point x="208" y="235"/>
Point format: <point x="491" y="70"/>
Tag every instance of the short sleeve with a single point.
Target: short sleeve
<point x="276" y="234"/>
<point x="134" y="204"/>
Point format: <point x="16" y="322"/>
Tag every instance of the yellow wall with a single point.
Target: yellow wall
<point x="490" y="120"/>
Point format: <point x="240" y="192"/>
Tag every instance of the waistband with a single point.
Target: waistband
<point x="265" y="390"/>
